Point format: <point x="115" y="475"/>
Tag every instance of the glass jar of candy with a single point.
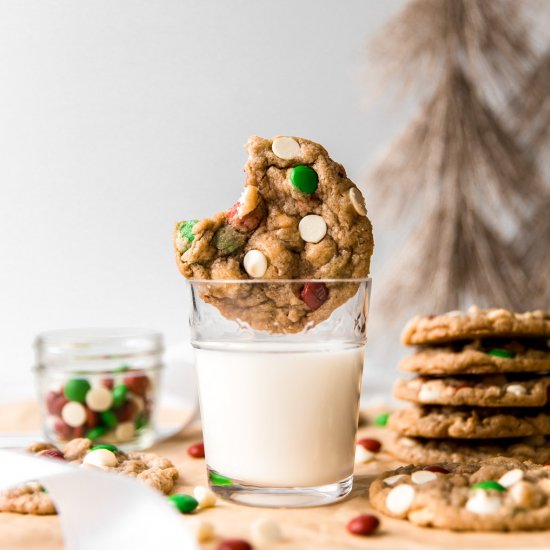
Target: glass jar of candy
<point x="100" y="384"/>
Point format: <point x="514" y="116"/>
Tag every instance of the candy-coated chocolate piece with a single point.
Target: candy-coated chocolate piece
<point x="436" y="469"/>
<point x="112" y="448"/>
<point x="186" y="230"/>
<point x="76" y="389"/>
<point x="128" y="411"/>
<point x="285" y="148"/>
<point x="95" y="433"/>
<point x="248" y="222"/>
<point x="314" y="294"/>
<point x="498" y="352"/>
<point x="312" y="228"/>
<point x="228" y="240"/>
<point x="488" y="485"/>
<point x="357" y="201"/>
<point x="63" y="430"/>
<point x="234" y="544"/>
<point x="255" y="263"/>
<point x="138" y="383"/>
<point x="205" y="496"/>
<point x="57" y="404"/>
<point x="119" y="393"/>
<point x="381" y="419"/>
<point x="92" y="418"/>
<point x="50" y="399"/>
<point x="109" y="419"/>
<point x="100" y="458"/>
<point x="196" y="450"/>
<point x="74" y="414"/>
<point x="372" y="445"/>
<point x="365" y="524"/>
<point x="99" y="399"/>
<point x="52" y="453"/>
<point x="184" y="503"/>
<point x="305" y="179"/>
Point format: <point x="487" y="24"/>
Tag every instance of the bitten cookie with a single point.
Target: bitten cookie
<point x="298" y="217"/>
<point x="157" y="472"/>
<point x="481" y="356"/>
<point x="443" y="422"/>
<point x="475" y="323"/>
<point x="496" y="390"/>
<point x="493" y="495"/>
<point x="427" y="451"/>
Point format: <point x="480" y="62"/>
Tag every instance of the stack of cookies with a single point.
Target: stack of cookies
<point x="481" y="387"/>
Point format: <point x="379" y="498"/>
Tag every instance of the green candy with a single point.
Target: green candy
<point x="76" y="389"/>
<point x="499" y="352"/>
<point x="186" y="230"/>
<point x="111" y="448"/>
<point x="228" y="240"/>
<point x="486" y="485"/>
<point x="95" y="433"/>
<point x="141" y="421"/>
<point x="217" y="479"/>
<point x="305" y="179"/>
<point x="119" y="395"/>
<point x="184" y="503"/>
<point x="109" y="419"/>
<point x="381" y="419"/>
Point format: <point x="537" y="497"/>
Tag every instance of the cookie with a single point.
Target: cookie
<point x="493" y="495"/>
<point x="298" y="217"/>
<point x="444" y="422"/>
<point x="475" y="323"/>
<point x="157" y="472"/>
<point x="497" y="390"/>
<point x="426" y="451"/>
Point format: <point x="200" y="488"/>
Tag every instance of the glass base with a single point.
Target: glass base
<point x="277" y="497"/>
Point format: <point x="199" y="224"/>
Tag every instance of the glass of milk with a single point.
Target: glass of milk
<point x="279" y="408"/>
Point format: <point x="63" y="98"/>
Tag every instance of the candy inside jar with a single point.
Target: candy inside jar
<point x="99" y="384"/>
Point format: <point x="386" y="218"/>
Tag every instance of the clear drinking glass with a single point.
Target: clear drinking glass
<point x="279" y="409"/>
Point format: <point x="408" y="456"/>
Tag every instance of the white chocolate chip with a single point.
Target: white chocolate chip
<point x="423" y="476"/>
<point x="392" y="480"/>
<point x="362" y="455"/>
<point x="73" y="414"/>
<point x="125" y="431"/>
<point x="101" y="458"/>
<point x="285" y="148"/>
<point x="99" y="399"/>
<point x="511" y="478"/>
<point x="205" y="497"/>
<point x="248" y="200"/>
<point x="357" y="201"/>
<point x="429" y="394"/>
<point x="265" y="531"/>
<point x="202" y="530"/>
<point x="516" y="389"/>
<point x="312" y="228"/>
<point x="400" y="499"/>
<point x="255" y="263"/>
<point x="482" y="504"/>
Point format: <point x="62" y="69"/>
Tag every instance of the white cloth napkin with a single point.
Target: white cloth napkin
<point x="99" y="510"/>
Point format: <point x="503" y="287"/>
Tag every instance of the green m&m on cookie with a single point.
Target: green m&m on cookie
<point x="499" y="352"/>
<point x="487" y="485"/>
<point x="186" y="230"/>
<point x="305" y="179"/>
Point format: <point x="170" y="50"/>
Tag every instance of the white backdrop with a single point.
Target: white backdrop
<point x="119" y="117"/>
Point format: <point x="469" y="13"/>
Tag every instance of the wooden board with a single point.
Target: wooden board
<point x="307" y="529"/>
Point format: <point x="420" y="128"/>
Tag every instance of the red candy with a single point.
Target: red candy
<point x="137" y="384"/>
<point x="52" y="453"/>
<point x="63" y="430"/>
<point x="436" y="469"/>
<point x="372" y="445"/>
<point x="126" y="412"/>
<point x="247" y="223"/>
<point x="57" y="404"/>
<point x="314" y="295"/>
<point x="234" y="544"/>
<point x="196" y="450"/>
<point x="363" y="525"/>
<point x="92" y="418"/>
<point x="108" y="383"/>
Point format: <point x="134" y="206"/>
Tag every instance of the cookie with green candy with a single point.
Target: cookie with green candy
<point x="298" y="217"/>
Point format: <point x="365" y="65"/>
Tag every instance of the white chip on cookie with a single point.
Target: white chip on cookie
<point x="392" y="480"/>
<point x="423" y="476"/>
<point x="99" y="399"/>
<point x="357" y="201"/>
<point x="255" y="263"/>
<point x="312" y="228"/>
<point x="482" y="504"/>
<point x="285" y="148"/>
<point x="400" y="499"/>
<point x="516" y="389"/>
<point x="511" y="478"/>
<point x="248" y="200"/>
<point x="73" y="414"/>
<point x="101" y="458"/>
<point x="428" y="393"/>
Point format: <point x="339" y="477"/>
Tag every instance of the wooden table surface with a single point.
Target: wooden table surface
<point x="308" y="529"/>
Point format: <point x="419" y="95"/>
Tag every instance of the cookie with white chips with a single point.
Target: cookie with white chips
<point x="493" y="495"/>
<point x="298" y="217"/>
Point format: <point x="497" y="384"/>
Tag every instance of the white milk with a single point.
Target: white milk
<point x="284" y="419"/>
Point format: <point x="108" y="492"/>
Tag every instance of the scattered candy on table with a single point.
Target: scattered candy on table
<point x="196" y="450"/>
<point x="205" y="497"/>
<point x="372" y="445"/>
<point x="365" y="524"/>
<point x="381" y="419"/>
<point x="202" y="530"/>
<point x="234" y="544"/>
<point x="184" y="503"/>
